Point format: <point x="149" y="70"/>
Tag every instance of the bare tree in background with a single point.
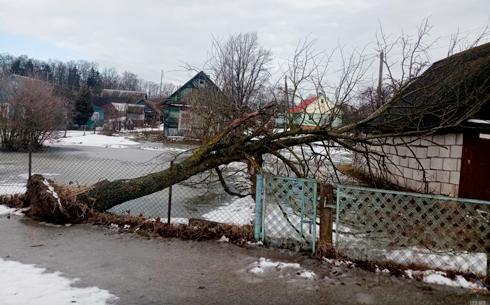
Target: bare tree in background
<point x="32" y="113"/>
<point x="240" y="67"/>
<point x="129" y="81"/>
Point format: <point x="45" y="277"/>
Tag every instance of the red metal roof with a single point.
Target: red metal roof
<point x="302" y="106"/>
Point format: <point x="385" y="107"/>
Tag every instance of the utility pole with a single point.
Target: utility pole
<point x="161" y="83"/>
<point x="380" y="80"/>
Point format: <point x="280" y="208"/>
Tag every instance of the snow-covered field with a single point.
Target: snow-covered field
<point x="75" y="137"/>
<point x="22" y="284"/>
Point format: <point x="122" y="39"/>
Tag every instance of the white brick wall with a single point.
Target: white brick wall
<point x="439" y="156"/>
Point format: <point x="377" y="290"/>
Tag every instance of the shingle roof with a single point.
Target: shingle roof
<point x="123" y="96"/>
<point x="451" y="91"/>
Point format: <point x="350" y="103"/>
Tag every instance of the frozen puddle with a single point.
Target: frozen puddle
<point x="26" y="284"/>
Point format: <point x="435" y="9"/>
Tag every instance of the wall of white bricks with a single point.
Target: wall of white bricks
<point x="430" y="164"/>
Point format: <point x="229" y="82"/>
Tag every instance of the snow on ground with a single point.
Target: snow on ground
<point x="459" y="261"/>
<point x="75" y="137"/>
<point x="437" y="277"/>
<point x="23" y="284"/>
<point x="280" y="269"/>
<point x="4" y="211"/>
<point x="170" y="149"/>
<point x="239" y="212"/>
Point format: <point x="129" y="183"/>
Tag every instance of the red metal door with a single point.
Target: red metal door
<point x="475" y="166"/>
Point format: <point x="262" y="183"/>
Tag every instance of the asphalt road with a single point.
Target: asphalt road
<point x="171" y="271"/>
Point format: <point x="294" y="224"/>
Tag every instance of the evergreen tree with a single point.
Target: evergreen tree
<point x="73" y="78"/>
<point x="83" y="106"/>
<point x="94" y="80"/>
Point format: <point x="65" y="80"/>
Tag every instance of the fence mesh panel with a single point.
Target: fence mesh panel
<point x="200" y="197"/>
<point x="289" y="212"/>
<point x="413" y="230"/>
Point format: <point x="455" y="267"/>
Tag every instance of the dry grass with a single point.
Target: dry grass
<point x="14" y="201"/>
<point x="199" y="230"/>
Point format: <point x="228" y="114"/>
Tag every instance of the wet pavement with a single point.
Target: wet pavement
<point x="170" y="271"/>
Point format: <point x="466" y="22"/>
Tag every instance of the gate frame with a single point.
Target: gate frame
<point x="260" y="205"/>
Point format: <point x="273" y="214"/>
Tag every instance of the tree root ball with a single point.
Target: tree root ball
<point x="53" y="203"/>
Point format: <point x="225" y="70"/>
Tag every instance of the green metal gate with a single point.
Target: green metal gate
<point x="286" y="212"/>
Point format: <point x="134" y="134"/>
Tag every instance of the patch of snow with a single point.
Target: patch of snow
<point x="26" y="284"/>
<point x="127" y="226"/>
<point x="281" y="269"/>
<point x="474" y="262"/>
<point x="224" y="239"/>
<point x="53" y="192"/>
<point x="477" y="121"/>
<point x="171" y="149"/>
<point x="118" y="146"/>
<point x="113" y="226"/>
<point x="239" y="212"/>
<point x="94" y="140"/>
<point x="437" y="277"/>
<point x="256" y="270"/>
<point x="310" y="275"/>
<point x="4" y="211"/>
<point x="179" y="220"/>
<point x="257" y="244"/>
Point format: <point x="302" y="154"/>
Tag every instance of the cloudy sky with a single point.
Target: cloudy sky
<point x="147" y="36"/>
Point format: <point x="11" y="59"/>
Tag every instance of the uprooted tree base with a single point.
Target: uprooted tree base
<point x="54" y="203"/>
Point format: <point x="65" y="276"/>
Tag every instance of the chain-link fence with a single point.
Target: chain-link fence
<point x="200" y="197"/>
<point x="414" y="230"/>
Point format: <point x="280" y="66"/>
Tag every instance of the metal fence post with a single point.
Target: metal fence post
<point x="258" y="206"/>
<point x="30" y="160"/>
<point x="169" y="215"/>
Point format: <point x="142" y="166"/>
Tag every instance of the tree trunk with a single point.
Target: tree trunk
<point x="104" y="197"/>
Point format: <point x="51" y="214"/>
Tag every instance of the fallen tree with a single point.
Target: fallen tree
<point x="248" y="136"/>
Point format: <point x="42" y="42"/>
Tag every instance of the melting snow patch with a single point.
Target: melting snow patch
<point x="266" y="266"/>
<point x="95" y="140"/>
<point x="4" y="211"/>
<point x="224" y="239"/>
<point x="53" y="192"/>
<point x="170" y="149"/>
<point x="437" y="277"/>
<point x="26" y="284"/>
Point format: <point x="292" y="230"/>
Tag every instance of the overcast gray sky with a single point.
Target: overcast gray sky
<point x="145" y="37"/>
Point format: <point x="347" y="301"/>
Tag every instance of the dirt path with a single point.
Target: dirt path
<point x="158" y="271"/>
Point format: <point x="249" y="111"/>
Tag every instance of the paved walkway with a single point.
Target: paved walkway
<point x="158" y="271"/>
